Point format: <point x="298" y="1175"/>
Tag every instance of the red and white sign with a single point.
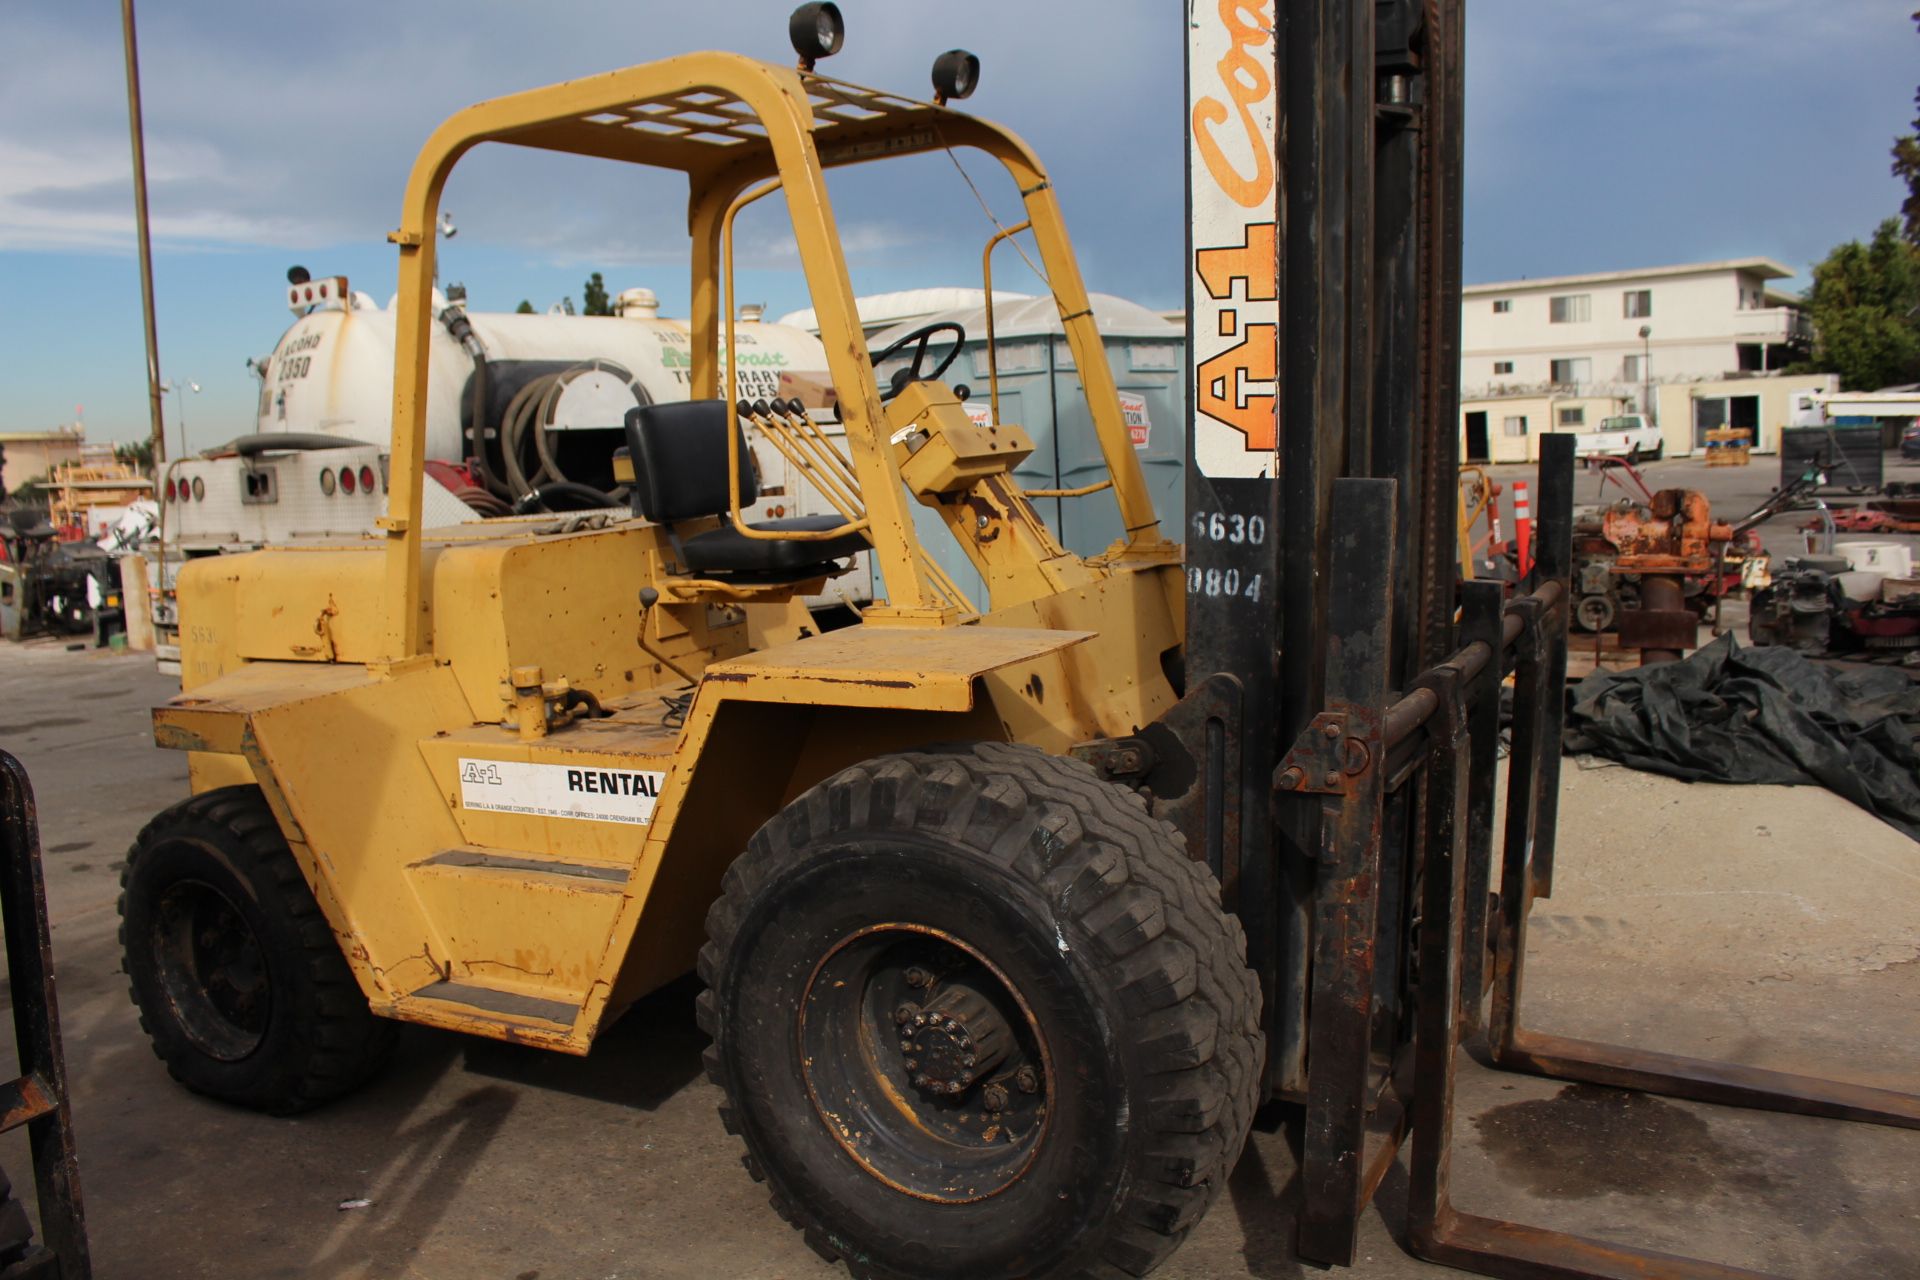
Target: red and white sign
<point x="1234" y="109"/>
<point x="1133" y="411"/>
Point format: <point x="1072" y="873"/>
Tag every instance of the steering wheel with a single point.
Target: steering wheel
<point x="918" y="340"/>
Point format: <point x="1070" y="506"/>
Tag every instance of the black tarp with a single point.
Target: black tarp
<point x="1761" y="714"/>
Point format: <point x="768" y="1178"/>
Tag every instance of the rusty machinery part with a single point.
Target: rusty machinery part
<point x="998" y="904"/>
<point x="1798" y="609"/>
<point x="1675" y="532"/>
<point x="956" y="1038"/>
<point x="239" y="981"/>
<point x="1805" y="609"/>
<point x="37" y="1099"/>
<point x="1595" y="612"/>
<point x="1662" y="628"/>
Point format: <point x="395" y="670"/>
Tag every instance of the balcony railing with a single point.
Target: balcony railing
<point x="1773" y="325"/>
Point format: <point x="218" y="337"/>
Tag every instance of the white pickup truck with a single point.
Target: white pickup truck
<point x="1628" y="436"/>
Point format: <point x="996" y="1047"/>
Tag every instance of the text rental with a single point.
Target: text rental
<point x="611" y="782"/>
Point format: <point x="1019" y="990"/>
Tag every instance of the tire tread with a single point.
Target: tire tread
<point x="346" y="1044"/>
<point x="1122" y="886"/>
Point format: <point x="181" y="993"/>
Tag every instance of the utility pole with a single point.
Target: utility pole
<point x="157" y="427"/>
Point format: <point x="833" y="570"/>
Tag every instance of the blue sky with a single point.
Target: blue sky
<point x="1600" y="136"/>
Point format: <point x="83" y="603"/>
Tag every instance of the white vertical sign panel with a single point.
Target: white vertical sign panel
<point x="1233" y="113"/>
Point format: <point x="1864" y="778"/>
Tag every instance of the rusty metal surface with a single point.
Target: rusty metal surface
<point x="1675" y="532"/>
<point x="1662" y="628"/>
<point x="1449" y="1000"/>
<point x="1342" y="1073"/>
<point x="1707" y="1080"/>
<point x="38" y="1099"/>
<point x="1196" y="750"/>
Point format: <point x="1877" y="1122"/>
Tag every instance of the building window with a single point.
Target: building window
<point x="1572" y="372"/>
<point x="1514" y="426"/>
<point x="1634" y="369"/>
<point x="1575" y="417"/>
<point x="1502" y="306"/>
<point x="1502" y="366"/>
<point x="1570" y="308"/>
<point x="1637" y="303"/>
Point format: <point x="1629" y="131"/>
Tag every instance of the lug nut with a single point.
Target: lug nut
<point x="1027" y="1080"/>
<point x="994" y="1097"/>
<point x="913" y="1064"/>
<point x="904" y="1014"/>
<point x="918" y="977"/>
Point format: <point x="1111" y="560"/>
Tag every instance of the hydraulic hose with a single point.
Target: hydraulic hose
<point x="582" y="497"/>
<point x="528" y="420"/>
<point x="461" y="327"/>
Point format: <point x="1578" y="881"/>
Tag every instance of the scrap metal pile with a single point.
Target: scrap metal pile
<point x="52" y="585"/>
<point x="1812" y="607"/>
<point x="1657" y="569"/>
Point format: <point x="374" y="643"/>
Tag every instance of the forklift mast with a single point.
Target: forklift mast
<point x="1343" y="696"/>
<point x="1324" y="187"/>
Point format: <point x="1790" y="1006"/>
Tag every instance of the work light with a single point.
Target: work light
<point x="816" y="31"/>
<point x="955" y="75"/>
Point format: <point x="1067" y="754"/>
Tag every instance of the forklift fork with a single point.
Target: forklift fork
<point x="38" y="1098"/>
<point x="1436" y="744"/>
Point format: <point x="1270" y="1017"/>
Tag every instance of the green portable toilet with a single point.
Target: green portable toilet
<point x="1040" y="391"/>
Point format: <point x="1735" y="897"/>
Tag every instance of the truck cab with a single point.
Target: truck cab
<point x="1626" y="435"/>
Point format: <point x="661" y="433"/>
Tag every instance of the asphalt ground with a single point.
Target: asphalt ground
<point x="1773" y="926"/>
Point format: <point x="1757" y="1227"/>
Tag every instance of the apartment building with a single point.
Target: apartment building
<point x="1561" y="352"/>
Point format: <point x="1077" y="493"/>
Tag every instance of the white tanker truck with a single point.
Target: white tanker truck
<point x="524" y="412"/>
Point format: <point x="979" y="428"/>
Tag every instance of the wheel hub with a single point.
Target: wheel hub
<point x="924" y="1062"/>
<point x="212" y="970"/>
<point x="954" y="1040"/>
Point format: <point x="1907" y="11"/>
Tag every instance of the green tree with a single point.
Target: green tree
<point x="1906" y="167"/>
<point x="524" y="309"/>
<point x="1865" y="305"/>
<point x="137" y="454"/>
<point x="594" y="300"/>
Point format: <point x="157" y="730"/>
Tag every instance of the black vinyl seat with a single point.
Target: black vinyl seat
<point x="679" y="453"/>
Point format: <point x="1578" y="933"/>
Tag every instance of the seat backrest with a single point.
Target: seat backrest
<point x="680" y="460"/>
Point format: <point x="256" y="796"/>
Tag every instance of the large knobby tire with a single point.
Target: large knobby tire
<point x="977" y="1016"/>
<point x="240" y="984"/>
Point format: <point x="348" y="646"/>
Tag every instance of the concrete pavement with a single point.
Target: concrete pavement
<point x="1775" y="926"/>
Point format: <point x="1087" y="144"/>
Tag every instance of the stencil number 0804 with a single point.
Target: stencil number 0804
<point x="1223" y="582"/>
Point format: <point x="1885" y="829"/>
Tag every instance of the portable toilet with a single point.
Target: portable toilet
<point x="1040" y="391"/>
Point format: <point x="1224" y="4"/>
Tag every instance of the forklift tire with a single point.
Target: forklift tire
<point x="976" y="1015"/>
<point x="240" y="982"/>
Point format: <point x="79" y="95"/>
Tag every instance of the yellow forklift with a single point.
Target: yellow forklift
<point x="1011" y="912"/>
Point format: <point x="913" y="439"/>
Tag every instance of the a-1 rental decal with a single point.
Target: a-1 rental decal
<point x="1234" y="113"/>
<point x="598" y="793"/>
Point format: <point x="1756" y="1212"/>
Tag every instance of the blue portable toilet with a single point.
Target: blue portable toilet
<point x="1040" y="391"/>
